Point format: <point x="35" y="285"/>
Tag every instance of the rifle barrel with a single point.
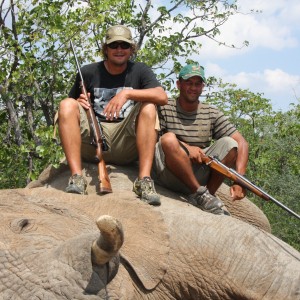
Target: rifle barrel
<point x="77" y="63"/>
<point x="247" y="184"/>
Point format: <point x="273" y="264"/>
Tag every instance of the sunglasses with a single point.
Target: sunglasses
<point x="115" y="45"/>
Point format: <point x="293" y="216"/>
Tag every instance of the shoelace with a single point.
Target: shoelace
<point x="147" y="185"/>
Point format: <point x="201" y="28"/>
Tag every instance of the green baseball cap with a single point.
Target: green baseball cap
<point x="189" y="71"/>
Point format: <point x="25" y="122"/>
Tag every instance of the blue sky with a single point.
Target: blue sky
<point x="271" y="63"/>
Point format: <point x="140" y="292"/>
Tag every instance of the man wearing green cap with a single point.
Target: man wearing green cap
<point x="189" y="130"/>
<point x="124" y="95"/>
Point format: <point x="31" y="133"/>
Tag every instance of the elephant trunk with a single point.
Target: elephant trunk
<point x="110" y="241"/>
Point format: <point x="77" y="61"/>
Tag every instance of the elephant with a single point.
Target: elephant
<point x="56" y="245"/>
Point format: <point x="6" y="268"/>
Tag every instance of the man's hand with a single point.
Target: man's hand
<point x="114" y="106"/>
<point x="195" y="154"/>
<point x="237" y="192"/>
<point x="83" y="100"/>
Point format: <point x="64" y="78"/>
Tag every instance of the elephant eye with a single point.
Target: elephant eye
<point x="21" y="225"/>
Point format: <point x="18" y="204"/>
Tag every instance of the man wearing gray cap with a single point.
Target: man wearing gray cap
<point x="124" y="95"/>
<point x="189" y="130"/>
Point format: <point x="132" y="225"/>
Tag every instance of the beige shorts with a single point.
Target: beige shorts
<point x="120" y="138"/>
<point x="164" y="177"/>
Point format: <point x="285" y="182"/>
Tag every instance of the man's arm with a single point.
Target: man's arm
<point x="155" y="95"/>
<point x="239" y="192"/>
<point x="243" y="153"/>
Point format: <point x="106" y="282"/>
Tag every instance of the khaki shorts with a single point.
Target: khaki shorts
<point x="164" y="177"/>
<point x="120" y="138"/>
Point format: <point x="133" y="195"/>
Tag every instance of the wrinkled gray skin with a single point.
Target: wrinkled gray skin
<point x="51" y="247"/>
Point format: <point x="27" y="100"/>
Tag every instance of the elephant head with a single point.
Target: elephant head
<point x="51" y="249"/>
<point x="48" y="250"/>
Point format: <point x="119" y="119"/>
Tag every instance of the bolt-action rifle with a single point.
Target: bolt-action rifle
<point x="216" y="165"/>
<point x="98" y="138"/>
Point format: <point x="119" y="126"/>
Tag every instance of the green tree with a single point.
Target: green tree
<point x="37" y="67"/>
<point x="274" y="139"/>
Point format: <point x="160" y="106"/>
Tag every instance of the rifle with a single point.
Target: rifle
<point x="98" y="138"/>
<point x="216" y="165"/>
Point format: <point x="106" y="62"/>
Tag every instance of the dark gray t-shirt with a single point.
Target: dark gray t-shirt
<point x="103" y="86"/>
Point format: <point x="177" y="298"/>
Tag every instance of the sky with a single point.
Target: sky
<point x="271" y="63"/>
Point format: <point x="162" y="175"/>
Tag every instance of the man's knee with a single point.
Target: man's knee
<point x="67" y="105"/>
<point x="148" y="110"/>
<point x="169" y="141"/>
<point x="68" y="108"/>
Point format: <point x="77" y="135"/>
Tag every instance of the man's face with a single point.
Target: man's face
<point x="190" y="89"/>
<point x="118" y="53"/>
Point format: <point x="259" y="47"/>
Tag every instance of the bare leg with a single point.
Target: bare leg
<point x="146" y="137"/>
<point x="69" y="132"/>
<point x="178" y="161"/>
<point x="216" y="178"/>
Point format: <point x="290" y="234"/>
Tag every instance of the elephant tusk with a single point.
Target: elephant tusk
<point x="110" y="240"/>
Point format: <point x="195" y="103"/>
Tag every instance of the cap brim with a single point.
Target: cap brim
<point x="119" y="38"/>
<point x="185" y="77"/>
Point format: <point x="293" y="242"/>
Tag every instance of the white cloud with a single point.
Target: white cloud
<point x="271" y="29"/>
<point x="278" y="86"/>
<point x="291" y="13"/>
<point x="213" y="69"/>
<point x="278" y="80"/>
<point x="268" y="81"/>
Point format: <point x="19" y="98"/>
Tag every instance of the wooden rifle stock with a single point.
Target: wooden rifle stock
<point x="216" y="165"/>
<point x="98" y="137"/>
